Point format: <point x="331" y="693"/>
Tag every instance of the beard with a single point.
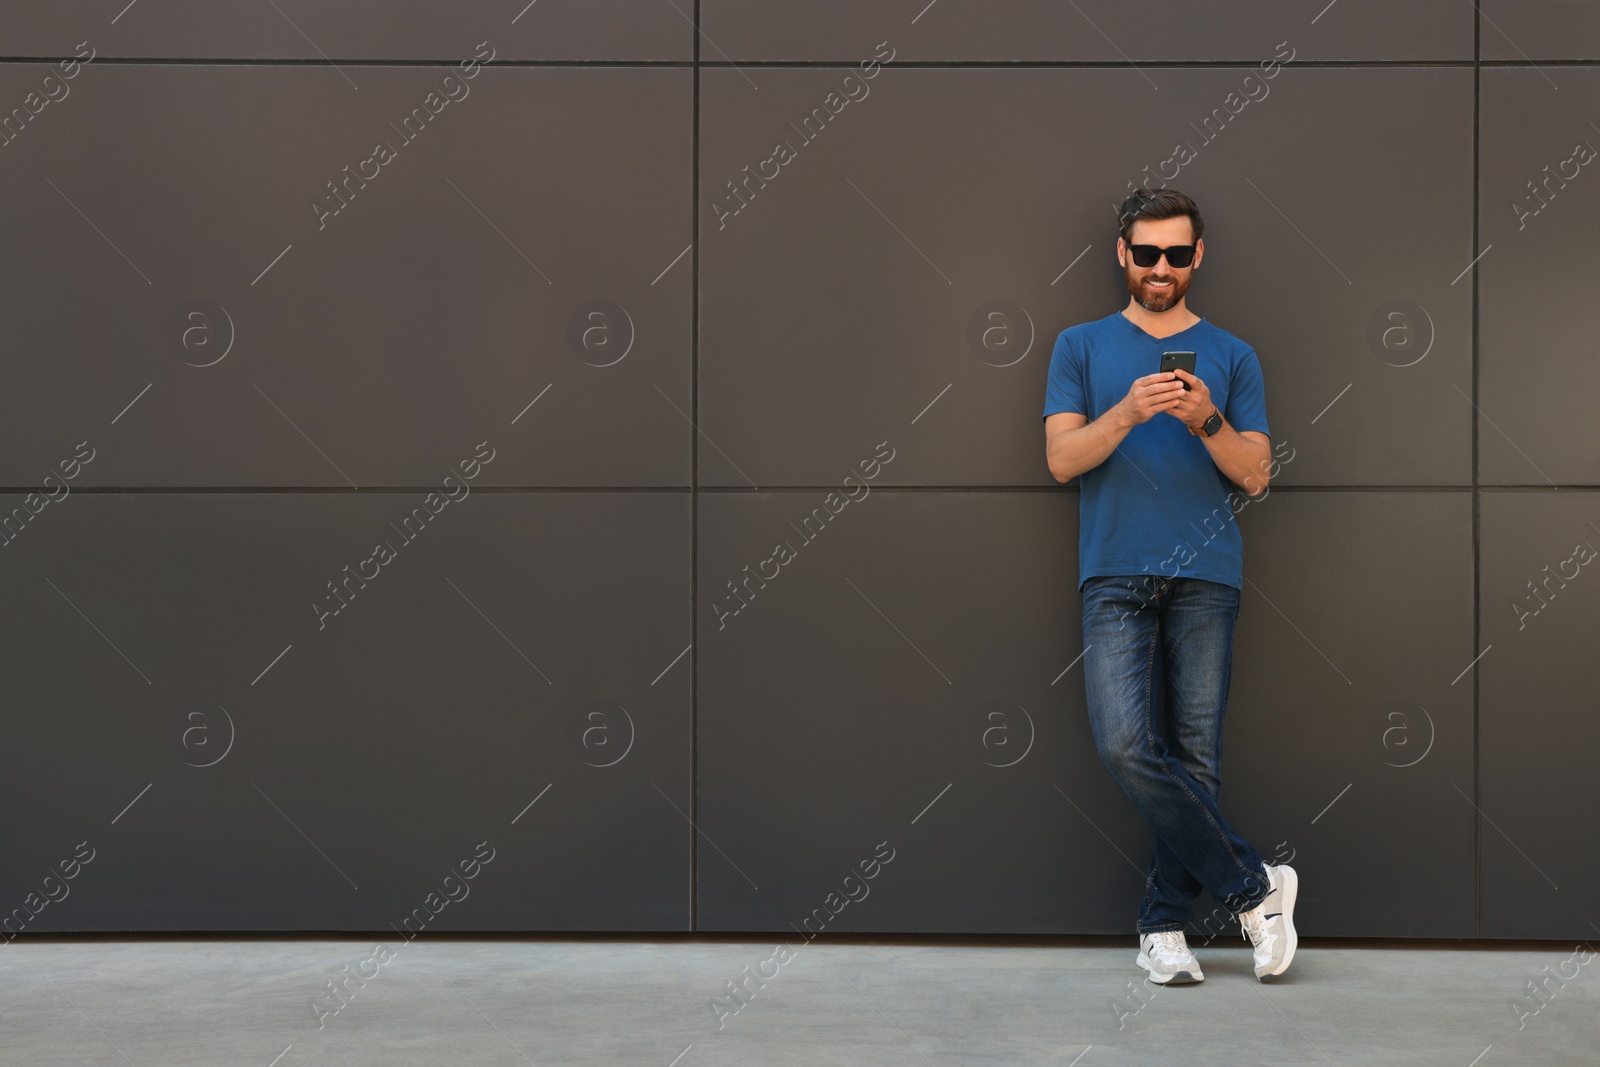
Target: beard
<point x="1150" y="300"/>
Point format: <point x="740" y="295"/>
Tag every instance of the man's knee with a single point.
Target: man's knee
<point x="1124" y="755"/>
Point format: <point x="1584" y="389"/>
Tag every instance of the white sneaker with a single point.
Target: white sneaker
<point x="1165" y="954"/>
<point x="1270" y="924"/>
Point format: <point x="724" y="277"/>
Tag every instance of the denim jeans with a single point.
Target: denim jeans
<point x="1173" y="781"/>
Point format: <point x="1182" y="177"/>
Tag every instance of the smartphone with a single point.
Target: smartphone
<point x="1176" y="361"/>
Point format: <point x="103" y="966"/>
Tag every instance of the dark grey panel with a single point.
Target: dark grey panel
<point x="1356" y="622"/>
<point x="1526" y="30"/>
<point x="824" y="732"/>
<point x="368" y="345"/>
<point x="1101" y="31"/>
<point x="1538" y="714"/>
<point x="367" y="30"/>
<point x="837" y="302"/>
<point x="515" y="646"/>
<point x="843" y="707"/>
<point x="1537" y="342"/>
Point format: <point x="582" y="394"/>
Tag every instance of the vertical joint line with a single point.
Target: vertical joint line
<point x="694" y="495"/>
<point x="1477" y="610"/>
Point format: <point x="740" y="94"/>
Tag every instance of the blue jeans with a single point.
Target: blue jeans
<point x="1172" y="781"/>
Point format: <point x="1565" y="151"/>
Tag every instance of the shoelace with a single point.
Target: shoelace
<point x="1254" y="928"/>
<point x="1253" y="923"/>
<point x="1170" y="943"/>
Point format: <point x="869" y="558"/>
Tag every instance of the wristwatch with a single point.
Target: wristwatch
<point x="1210" y="426"/>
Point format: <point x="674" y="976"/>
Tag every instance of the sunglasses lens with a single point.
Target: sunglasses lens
<point x="1178" y="256"/>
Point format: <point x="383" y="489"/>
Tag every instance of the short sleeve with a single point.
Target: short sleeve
<point x="1247" y="396"/>
<point x="1064" y="389"/>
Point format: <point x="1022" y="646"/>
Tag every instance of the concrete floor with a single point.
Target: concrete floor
<point x="648" y="1003"/>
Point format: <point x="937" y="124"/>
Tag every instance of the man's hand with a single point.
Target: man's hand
<point x="1194" y="406"/>
<point x="1151" y="395"/>
<point x="1242" y="457"/>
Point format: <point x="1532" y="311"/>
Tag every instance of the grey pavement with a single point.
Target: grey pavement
<point x="652" y="1003"/>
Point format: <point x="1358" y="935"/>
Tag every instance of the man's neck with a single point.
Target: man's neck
<point x="1158" y="324"/>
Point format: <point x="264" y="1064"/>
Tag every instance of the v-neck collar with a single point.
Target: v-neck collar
<point x="1142" y="332"/>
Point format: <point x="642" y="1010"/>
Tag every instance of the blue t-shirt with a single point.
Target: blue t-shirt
<point x="1158" y="504"/>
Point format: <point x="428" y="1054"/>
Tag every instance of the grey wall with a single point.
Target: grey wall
<point x="251" y="394"/>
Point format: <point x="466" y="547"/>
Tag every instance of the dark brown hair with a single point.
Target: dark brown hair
<point x="1157" y="204"/>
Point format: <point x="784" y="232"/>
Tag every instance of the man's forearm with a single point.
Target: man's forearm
<point x="1240" y="459"/>
<point x="1085" y="447"/>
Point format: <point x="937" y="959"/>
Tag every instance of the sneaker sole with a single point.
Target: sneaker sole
<point x="1177" y="978"/>
<point x="1291" y="889"/>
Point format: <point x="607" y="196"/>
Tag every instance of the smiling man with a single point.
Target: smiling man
<point x="1158" y="455"/>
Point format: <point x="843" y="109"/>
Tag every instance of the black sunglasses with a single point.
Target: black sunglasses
<point x="1178" y="256"/>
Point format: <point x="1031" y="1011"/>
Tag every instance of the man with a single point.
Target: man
<point x="1158" y="454"/>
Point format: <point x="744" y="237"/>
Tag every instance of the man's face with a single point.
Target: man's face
<point x="1160" y="287"/>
